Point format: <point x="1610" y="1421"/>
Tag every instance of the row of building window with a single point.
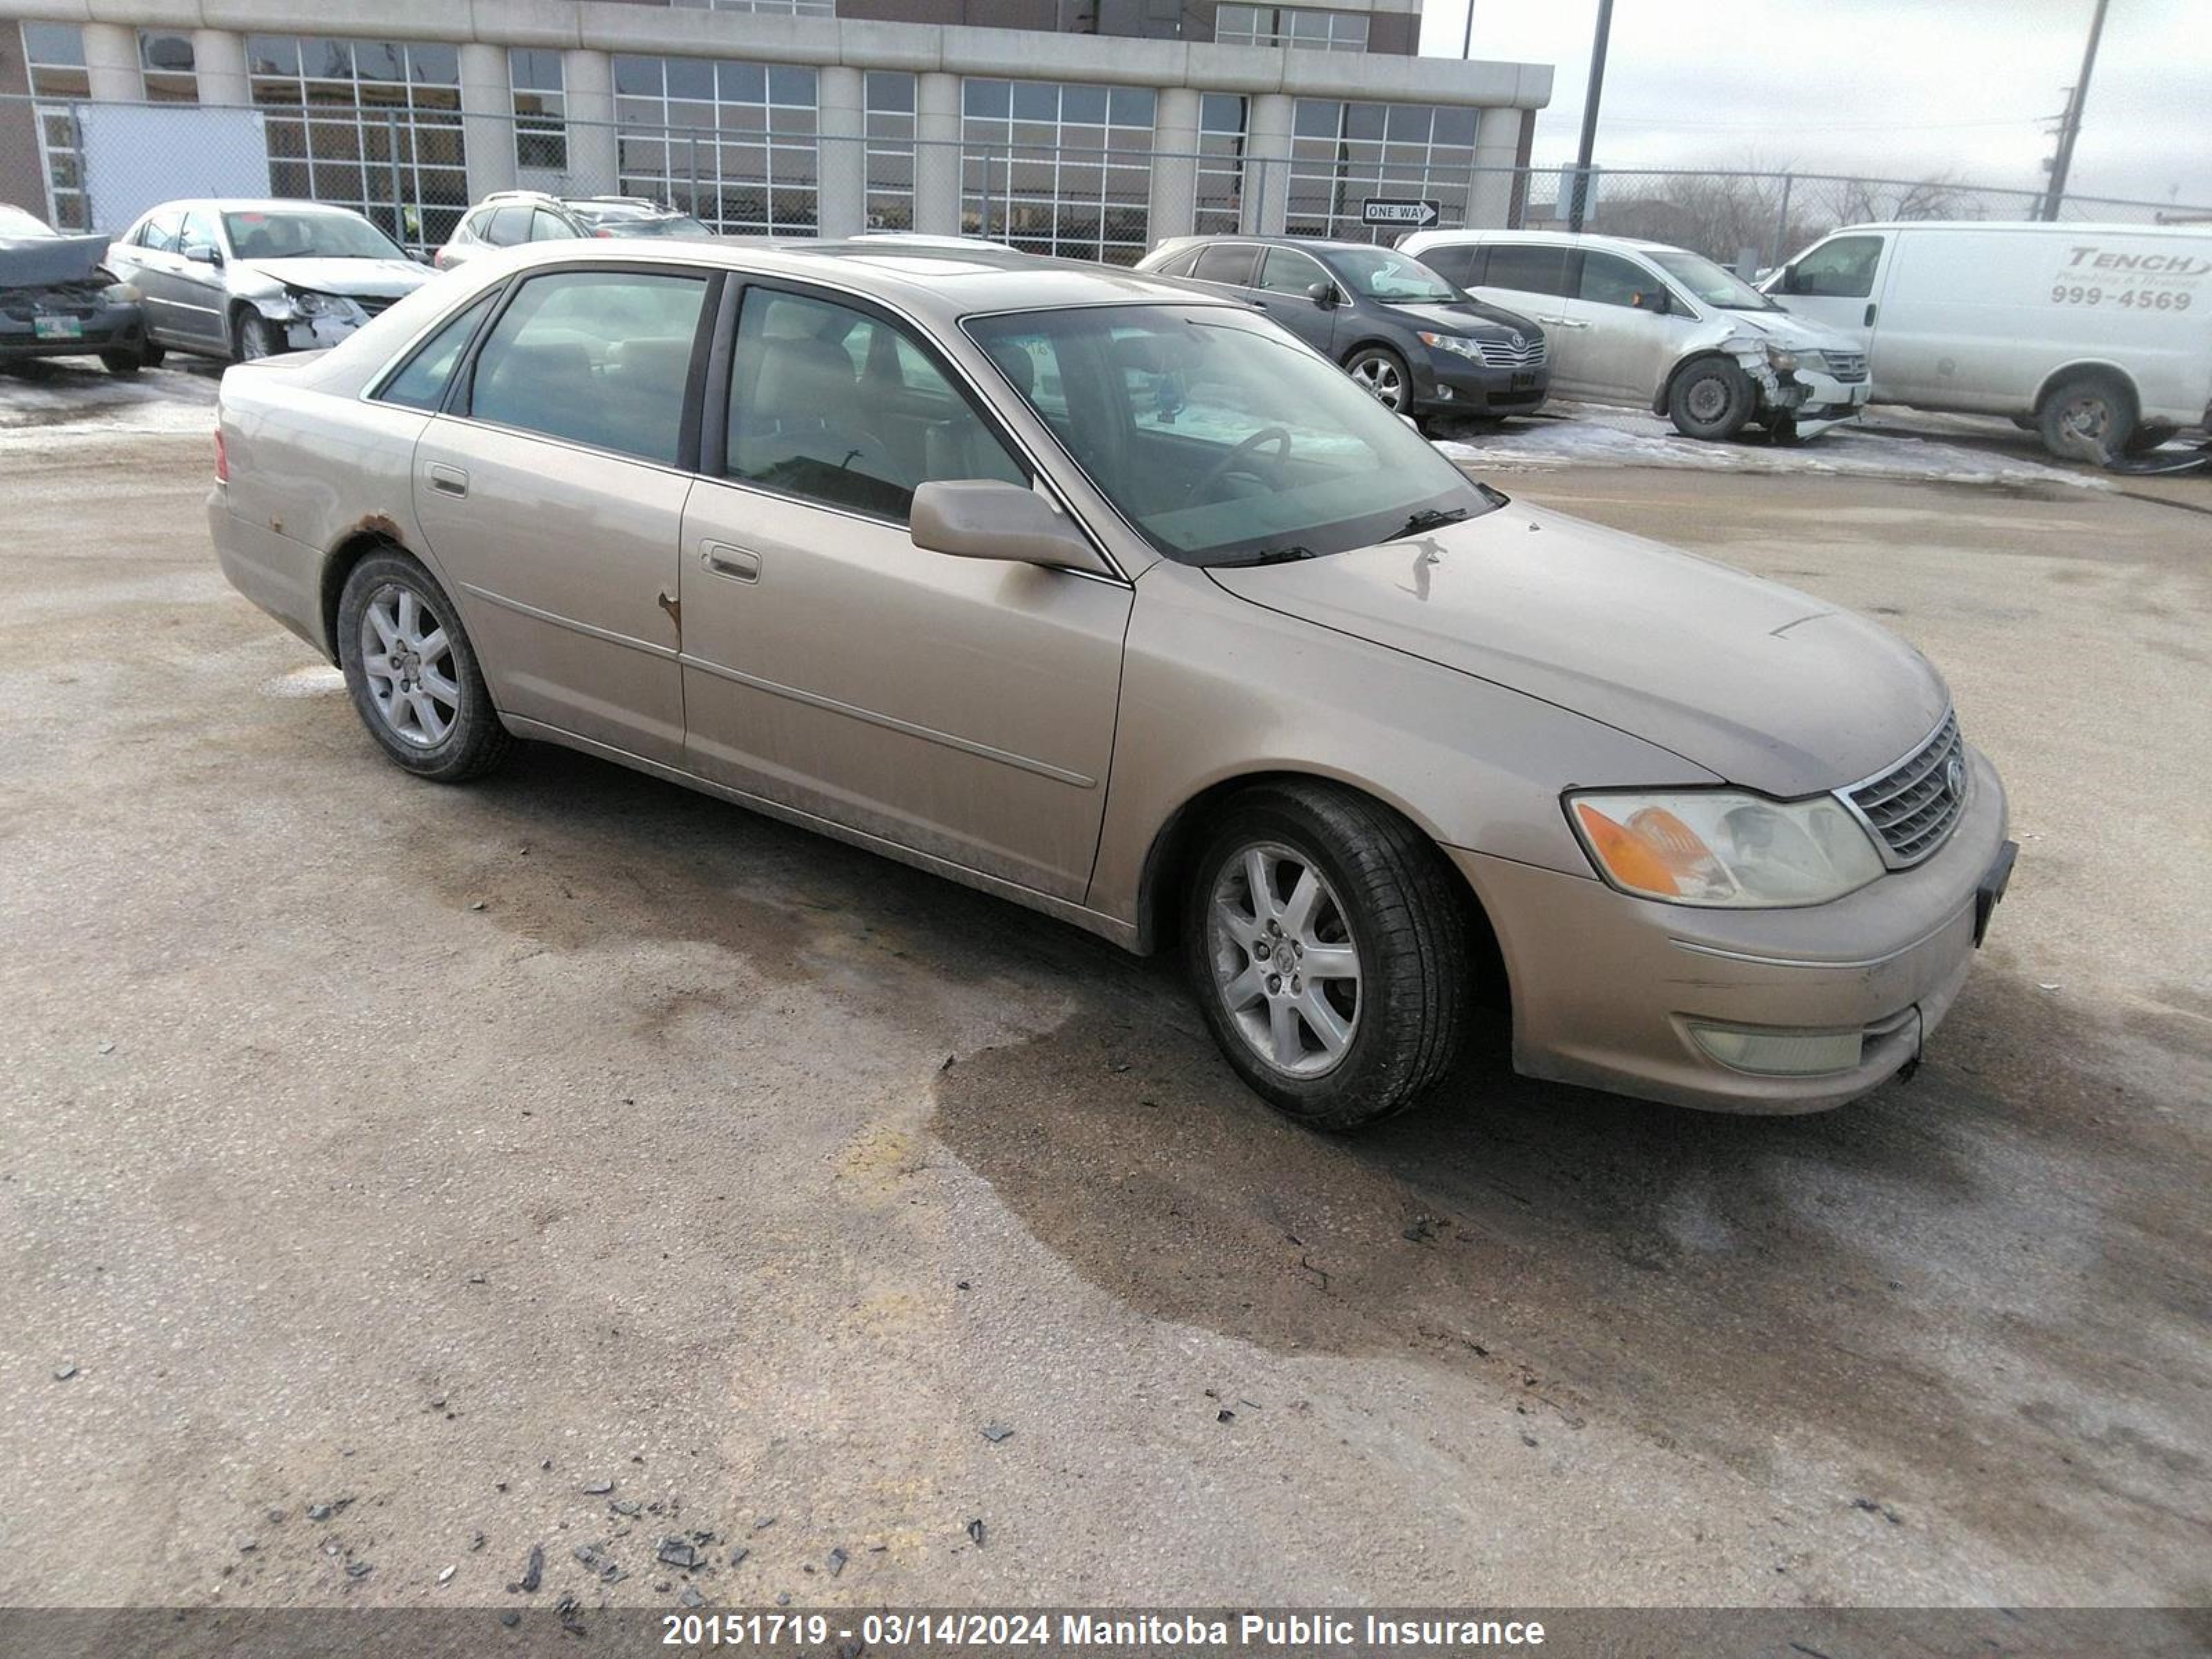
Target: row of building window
<point x="1291" y="26"/>
<point x="1055" y="168"/>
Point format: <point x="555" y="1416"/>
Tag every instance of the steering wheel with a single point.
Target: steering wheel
<point x="1238" y="458"/>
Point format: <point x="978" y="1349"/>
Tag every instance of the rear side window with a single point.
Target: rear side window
<point x="507" y="227"/>
<point x="160" y="233"/>
<point x="1232" y="265"/>
<point x="550" y="227"/>
<point x="838" y="406"/>
<point x="597" y="357"/>
<point x="1178" y="266"/>
<point x="1461" y="266"/>
<point x="1841" y="270"/>
<point x="423" y="383"/>
<point x="1528" y="268"/>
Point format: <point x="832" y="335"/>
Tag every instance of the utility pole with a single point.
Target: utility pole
<point x="1466" y="37"/>
<point x="1604" y="32"/>
<point x="2070" y="128"/>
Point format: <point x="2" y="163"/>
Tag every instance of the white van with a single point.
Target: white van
<point x="2098" y="337"/>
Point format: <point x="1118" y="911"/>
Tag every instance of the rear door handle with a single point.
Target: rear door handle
<point x="447" y="480"/>
<point x="736" y="562"/>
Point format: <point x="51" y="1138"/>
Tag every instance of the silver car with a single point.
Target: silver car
<point x="1107" y="596"/>
<point x="243" y="279"/>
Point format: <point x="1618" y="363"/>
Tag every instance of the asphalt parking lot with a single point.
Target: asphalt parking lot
<point x="396" y="1179"/>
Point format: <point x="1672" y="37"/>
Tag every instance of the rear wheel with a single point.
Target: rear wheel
<point x="152" y="352"/>
<point x="1711" y="398"/>
<point x="413" y="675"/>
<point x="1328" y="953"/>
<point x="2089" y="416"/>
<point x="1383" y="372"/>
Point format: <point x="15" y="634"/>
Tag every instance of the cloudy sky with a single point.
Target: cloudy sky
<point x="1905" y="88"/>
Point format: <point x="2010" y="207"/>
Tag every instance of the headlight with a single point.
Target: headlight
<point x="1782" y="361"/>
<point x="121" y="294"/>
<point x="1724" y="848"/>
<point x="1458" y="344"/>
<point x="306" y="303"/>
<point x="1812" y="360"/>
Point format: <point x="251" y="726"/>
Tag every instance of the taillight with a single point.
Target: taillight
<point x="438" y="260"/>
<point x="603" y="233"/>
<point x="222" y="458"/>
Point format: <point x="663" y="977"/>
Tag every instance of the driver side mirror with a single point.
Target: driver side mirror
<point x="203" y="253"/>
<point x="986" y="518"/>
<point x="1321" y="294"/>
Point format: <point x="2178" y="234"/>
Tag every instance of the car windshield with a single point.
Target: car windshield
<point x="280" y="234"/>
<point x="1222" y="439"/>
<point x="19" y="226"/>
<point x="1710" y="282"/>
<point x="1380" y="274"/>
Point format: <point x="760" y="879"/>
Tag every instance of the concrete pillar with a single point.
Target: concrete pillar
<point x="1496" y="152"/>
<point x="219" y="65"/>
<point x="1173" y="208"/>
<point x="841" y="206"/>
<point x="588" y="91"/>
<point x="111" y="64"/>
<point x="487" y="120"/>
<point x="937" y="154"/>
<point x="1266" y="165"/>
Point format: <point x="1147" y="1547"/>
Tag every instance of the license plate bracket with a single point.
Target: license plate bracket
<point x="1521" y="383"/>
<point x="56" y="328"/>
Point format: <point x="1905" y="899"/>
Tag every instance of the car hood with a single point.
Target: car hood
<point x="382" y="279"/>
<point x="1784" y="330"/>
<point x="1458" y="317"/>
<point x="1758" y="683"/>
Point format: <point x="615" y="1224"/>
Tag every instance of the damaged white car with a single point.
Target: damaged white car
<point x="241" y="279"/>
<point x="1659" y="328"/>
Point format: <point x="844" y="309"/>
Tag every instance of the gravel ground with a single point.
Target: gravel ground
<point x="571" y="1163"/>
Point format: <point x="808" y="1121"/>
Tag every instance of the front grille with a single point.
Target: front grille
<point x="1911" y="807"/>
<point x="373" y="304"/>
<point x="1849" y="366"/>
<point x="1500" y="352"/>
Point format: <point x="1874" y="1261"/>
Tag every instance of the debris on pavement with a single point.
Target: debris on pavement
<point x="65" y="1370"/>
<point x="533" y="1571"/>
<point x="976" y="1531"/>
<point x="837" y="1559"/>
<point x="995" y="1432"/>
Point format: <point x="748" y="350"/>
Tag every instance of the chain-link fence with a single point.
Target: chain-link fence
<point x="414" y="170"/>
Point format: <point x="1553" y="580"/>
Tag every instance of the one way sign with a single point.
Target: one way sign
<point x="1392" y="211"/>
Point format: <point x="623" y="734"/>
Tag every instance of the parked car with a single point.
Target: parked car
<point x="1659" y="328"/>
<point x="1417" y="343"/>
<point x="1106" y="595"/>
<point x="506" y="218"/>
<point x="2097" y="336"/>
<point x="57" y="300"/>
<point x="243" y="279"/>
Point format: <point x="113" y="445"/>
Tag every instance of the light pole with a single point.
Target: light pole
<point x="1581" y="201"/>
<point x="2070" y="128"/>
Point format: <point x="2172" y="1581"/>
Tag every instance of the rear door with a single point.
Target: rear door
<point x="1287" y="275"/>
<point x="552" y="489"/>
<point x="150" y="263"/>
<point x="1536" y="279"/>
<point x="960" y="708"/>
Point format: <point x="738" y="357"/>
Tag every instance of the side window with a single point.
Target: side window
<point x="1226" y="264"/>
<point x="598" y="358"/>
<point x="1610" y="280"/>
<point x="1528" y="268"/>
<point x="1461" y="266"/>
<point x="840" y="407"/>
<point x="161" y="232"/>
<point x="1286" y="270"/>
<point x="422" y="383"/>
<point x="549" y="227"/>
<point x="507" y="227"/>
<point x="1841" y="270"/>
<point x="1178" y="266"/>
<point x="198" y="233"/>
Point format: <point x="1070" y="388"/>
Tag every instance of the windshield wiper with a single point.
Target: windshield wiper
<point x="1432" y="518"/>
<point x="1286" y="554"/>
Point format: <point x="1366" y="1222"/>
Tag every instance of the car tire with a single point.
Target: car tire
<point x="151" y="353"/>
<point x="412" y="674"/>
<point x="2089" y="417"/>
<point x="1340" y="875"/>
<point x="250" y="336"/>
<point x="1711" y="399"/>
<point x="1383" y="374"/>
<point x="1782" y="430"/>
<point x="125" y="363"/>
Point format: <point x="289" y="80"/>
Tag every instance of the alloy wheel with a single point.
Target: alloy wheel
<point x="408" y="659"/>
<point x="1285" y="964"/>
<point x="1381" y="378"/>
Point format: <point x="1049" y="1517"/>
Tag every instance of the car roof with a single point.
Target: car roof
<point x="943" y="284"/>
<point x="1576" y="239"/>
<point x="1308" y="244"/>
<point x="249" y="204"/>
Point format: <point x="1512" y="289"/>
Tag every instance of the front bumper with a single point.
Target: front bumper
<point x="1828" y="399"/>
<point x="1447" y="381"/>
<point x="1607" y="988"/>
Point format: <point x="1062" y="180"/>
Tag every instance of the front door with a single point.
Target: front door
<point x="960" y="708"/>
<point x="200" y="299"/>
<point x="552" y="494"/>
<point x="1631" y="332"/>
<point x="1287" y="279"/>
<point x="1834" y="282"/>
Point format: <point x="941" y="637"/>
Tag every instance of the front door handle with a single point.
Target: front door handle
<point x="447" y="480"/>
<point x="736" y="562"/>
<point x="1869" y="316"/>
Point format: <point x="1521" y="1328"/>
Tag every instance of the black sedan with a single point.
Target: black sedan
<point x="1409" y="336"/>
<point x="56" y="300"/>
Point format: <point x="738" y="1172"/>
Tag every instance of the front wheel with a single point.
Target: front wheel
<point x="412" y="674"/>
<point x="1383" y="372"/>
<point x="1328" y="949"/>
<point x="252" y="338"/>
<point x="1710" y="399"/>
